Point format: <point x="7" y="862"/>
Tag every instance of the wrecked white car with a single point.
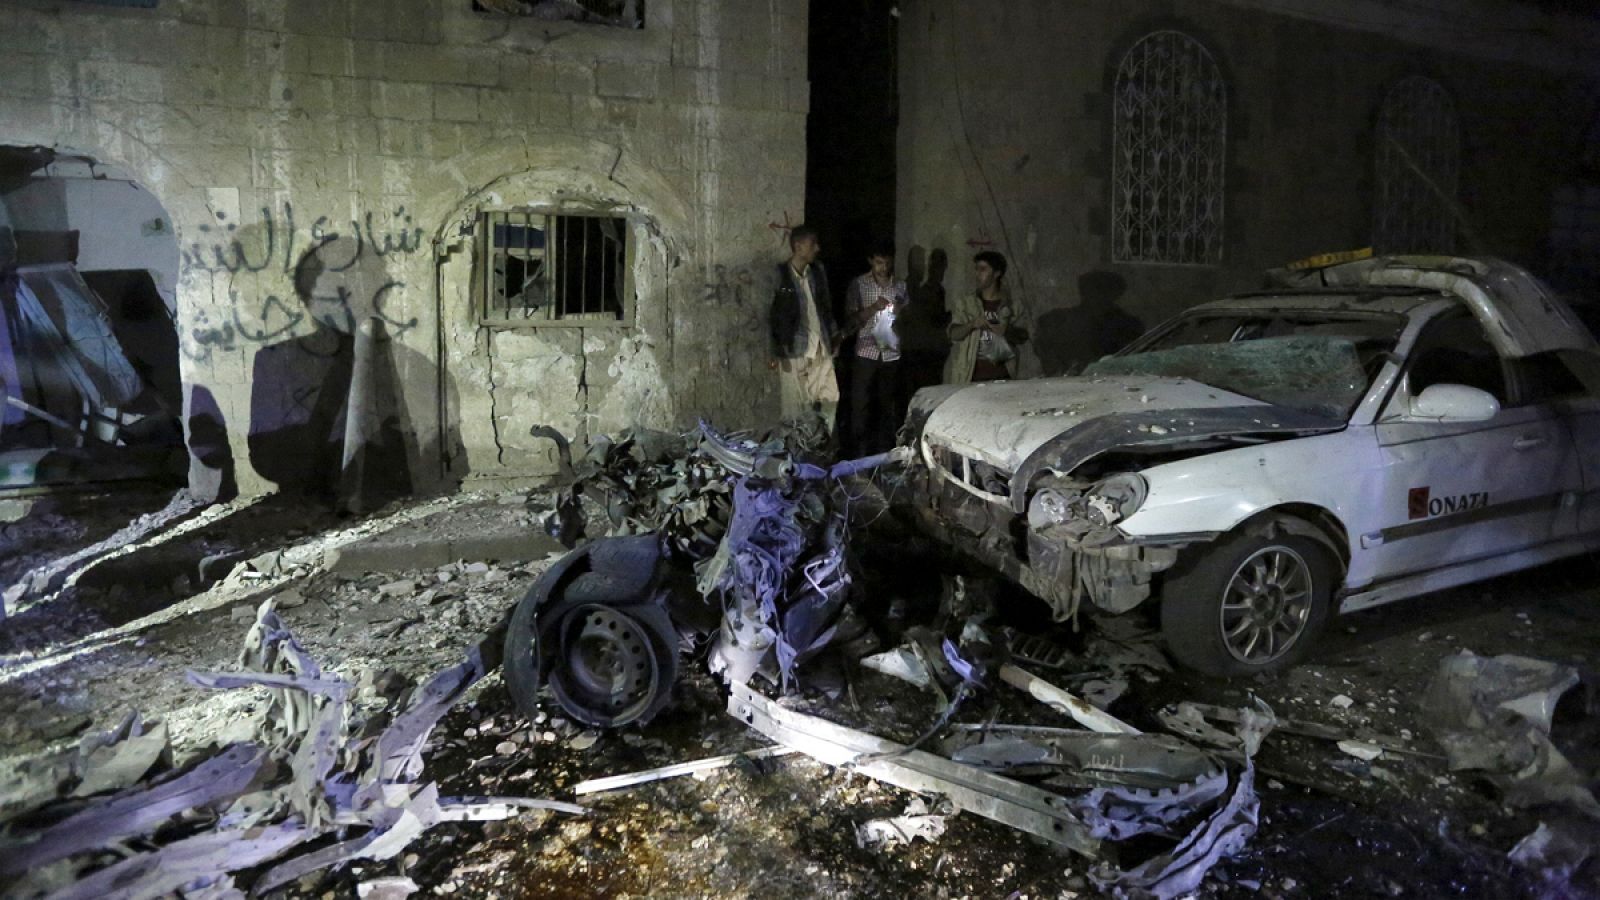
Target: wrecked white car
<point x="1372" y="431"/>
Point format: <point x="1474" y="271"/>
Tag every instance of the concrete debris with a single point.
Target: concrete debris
<point x="40" y="583"/>
<point x="394" y="887"/>
<point x="1494" y="715"/>
<point x="916" y="823"/>
<point x="1361" y="750"/>
<point x="306" y="774"/>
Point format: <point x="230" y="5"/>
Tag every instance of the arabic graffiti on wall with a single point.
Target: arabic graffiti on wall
<point x="272" y="240"/>
<point x="335" y="278"/>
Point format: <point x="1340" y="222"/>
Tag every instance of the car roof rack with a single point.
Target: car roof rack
<point x="1368" y="292"/>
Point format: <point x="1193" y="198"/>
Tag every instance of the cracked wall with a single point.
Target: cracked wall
<point x="318" y="161"/>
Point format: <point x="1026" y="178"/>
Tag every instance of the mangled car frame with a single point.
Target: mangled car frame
<point x="1372" y="431"/>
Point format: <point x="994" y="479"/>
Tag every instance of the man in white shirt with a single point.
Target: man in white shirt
<point x="875" y="301"/>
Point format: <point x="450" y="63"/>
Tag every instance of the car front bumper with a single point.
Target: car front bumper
<point x="1115" y="575"/>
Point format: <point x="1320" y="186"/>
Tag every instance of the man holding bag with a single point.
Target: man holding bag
<point x="985" y="327"/>
<point x="875" y="300"/>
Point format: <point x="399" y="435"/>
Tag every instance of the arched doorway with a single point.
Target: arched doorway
<point x="89" y="382"/>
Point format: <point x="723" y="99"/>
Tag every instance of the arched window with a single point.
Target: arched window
<point x="1169" y="131"/>
<point x="1418" y="164"/>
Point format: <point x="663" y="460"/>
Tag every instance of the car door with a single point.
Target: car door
<point x="1548" y="379"/>
<point x="1460" y="491"/>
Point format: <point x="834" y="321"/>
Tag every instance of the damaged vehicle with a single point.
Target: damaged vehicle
<point x="1370" y="431"/>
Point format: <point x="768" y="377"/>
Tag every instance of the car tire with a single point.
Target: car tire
<point x="535" y="635"/>
<point x="1212" y="606"/>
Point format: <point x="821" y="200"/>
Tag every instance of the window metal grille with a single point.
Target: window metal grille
<point x="1418" y="164"/>
<point x="1169" y="134"/>
<point x="539" y="267"/>
<point x="616" y="13"/>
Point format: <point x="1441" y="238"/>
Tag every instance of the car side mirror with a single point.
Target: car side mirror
<point x="1454" y="403"/>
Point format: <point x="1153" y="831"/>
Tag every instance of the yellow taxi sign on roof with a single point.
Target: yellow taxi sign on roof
<point x="1322" y="260"/>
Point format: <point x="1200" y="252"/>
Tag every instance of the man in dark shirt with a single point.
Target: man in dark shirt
<point x="803" y="336"/>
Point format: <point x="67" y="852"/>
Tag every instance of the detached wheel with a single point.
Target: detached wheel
<point x="607" y="652"/>
<point x="1249" y="605"/>
<point x="612" y="666"/>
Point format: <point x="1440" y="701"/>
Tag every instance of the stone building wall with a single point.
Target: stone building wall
<point x="323" y="163"/>
<point x="1006" y="141"/>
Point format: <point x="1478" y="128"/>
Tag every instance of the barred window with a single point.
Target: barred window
<point x="1418" y="162"/>
<point x="1169" y="136"/>
<point x="616" y="13"/>
<point x="543" y="268"/>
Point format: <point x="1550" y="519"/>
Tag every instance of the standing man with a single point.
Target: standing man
<point x="984" y="327"/>
<point x="803" y="332"/>
<point x="875" y="301"/>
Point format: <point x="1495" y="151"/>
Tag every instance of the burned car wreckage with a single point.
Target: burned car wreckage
<point x="737" y="555"/>
<point x="1371" y="431"/>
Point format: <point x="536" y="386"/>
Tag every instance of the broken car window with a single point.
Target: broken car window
<point x="1309" y="360"/>
<point x="1318" y="375"/>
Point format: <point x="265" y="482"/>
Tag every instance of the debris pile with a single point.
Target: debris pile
<point x="716" y="573"/>
<point x="1494" y="716"/>
<point x="313" y="767"/>
<point x="742" y="547"/>
<point x="603" y="628"/>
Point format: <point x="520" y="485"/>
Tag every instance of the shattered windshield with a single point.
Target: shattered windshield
<point x="1310" y="361"/>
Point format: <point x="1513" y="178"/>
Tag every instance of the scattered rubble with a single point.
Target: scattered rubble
<point x="1041" y="731"/>
<point x="311" y="769"/>
<point x="916" y="823"/>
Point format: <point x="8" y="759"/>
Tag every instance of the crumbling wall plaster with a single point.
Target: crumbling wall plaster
<point x="317" y="161"/>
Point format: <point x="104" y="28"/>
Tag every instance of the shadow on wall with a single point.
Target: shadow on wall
<point x="923" y="340"/>
<point x="208" y="446"/>
<point x="304" y="436"/>
<point x="1069" y="339"/>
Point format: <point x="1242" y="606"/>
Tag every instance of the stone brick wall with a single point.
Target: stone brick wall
<point x="364" y="137"/>
<point x="1006" y="143"/>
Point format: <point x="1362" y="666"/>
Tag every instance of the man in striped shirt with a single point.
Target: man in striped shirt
<point x="875" y="300"/>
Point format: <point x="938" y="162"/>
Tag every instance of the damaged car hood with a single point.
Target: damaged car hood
<point x="1003" y="423"/>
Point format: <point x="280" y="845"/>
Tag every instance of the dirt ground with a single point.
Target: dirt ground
<point x="1330" y="824"/>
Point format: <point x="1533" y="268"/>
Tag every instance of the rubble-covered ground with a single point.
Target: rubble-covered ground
<point x="1331" y="824"/>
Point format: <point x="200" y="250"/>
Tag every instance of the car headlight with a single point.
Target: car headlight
<point x="1051" y="506"/>
<point x="1113" y="499"/>
<point x="1106" y="502"/>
